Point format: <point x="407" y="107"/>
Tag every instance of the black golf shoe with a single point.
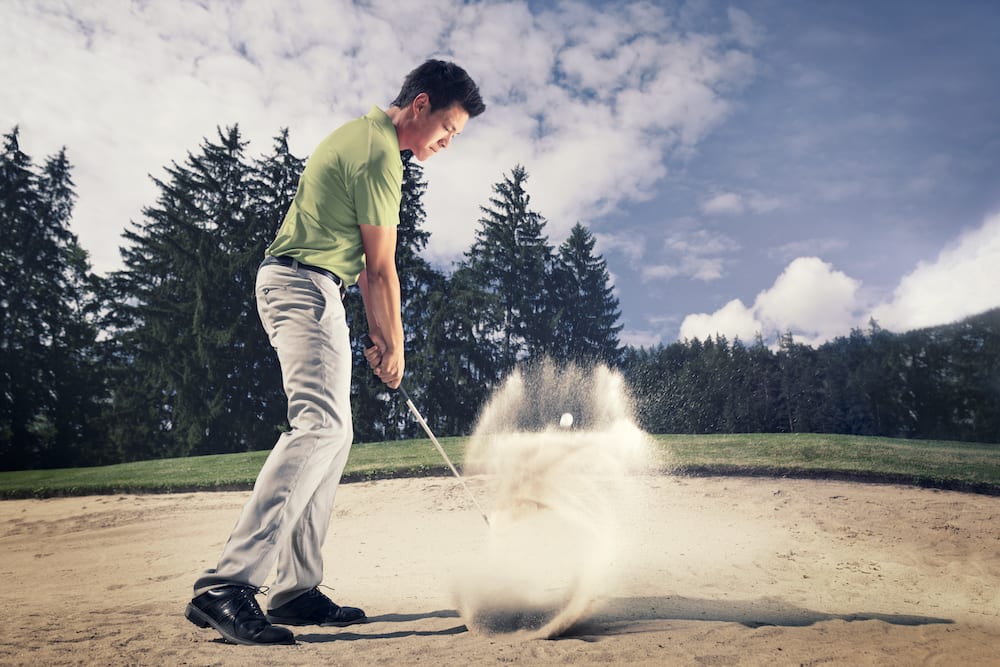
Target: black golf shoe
<point x="234" y="612"/>
<point x="314" y="608"/>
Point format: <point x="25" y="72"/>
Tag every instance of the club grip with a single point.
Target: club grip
<point x="368" y="343"/>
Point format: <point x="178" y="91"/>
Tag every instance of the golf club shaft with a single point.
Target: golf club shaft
<point x="444" y="455"/>
<point x="367" y="342"/>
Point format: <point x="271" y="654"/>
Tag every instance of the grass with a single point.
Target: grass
<point x="962" y="466"/>
<point x="940" y="464"/>
<point x="379" y="460"/>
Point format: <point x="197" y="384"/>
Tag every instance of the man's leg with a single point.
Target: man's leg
<point x="300" y="561"/>
<point x="304" y="318"/>
<point x="295" y="598"/>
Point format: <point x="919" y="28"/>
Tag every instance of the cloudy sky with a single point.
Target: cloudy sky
<point x="746" y="166"/>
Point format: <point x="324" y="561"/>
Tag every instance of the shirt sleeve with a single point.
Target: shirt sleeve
<point x="378" y="192"/>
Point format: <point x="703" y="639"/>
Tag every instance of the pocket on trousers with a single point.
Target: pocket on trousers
<point x="266" y="291"/>
<point x="266" y="297"/>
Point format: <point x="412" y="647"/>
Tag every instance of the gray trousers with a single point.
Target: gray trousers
<point x="284" y="523"/>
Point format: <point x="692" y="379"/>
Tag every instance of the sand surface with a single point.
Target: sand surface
<point x="728" y="572"/>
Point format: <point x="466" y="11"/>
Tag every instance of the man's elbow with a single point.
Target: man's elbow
<point x="380" y="274"/>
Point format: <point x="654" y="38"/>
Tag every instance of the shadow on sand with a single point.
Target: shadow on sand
<point x="623" y="615"/>
<point x="337" y="634"/>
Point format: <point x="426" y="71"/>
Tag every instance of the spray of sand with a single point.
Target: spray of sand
<point x="557" y="496"/>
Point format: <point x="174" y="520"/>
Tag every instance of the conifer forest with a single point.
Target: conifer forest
<point x="165" y="357"/>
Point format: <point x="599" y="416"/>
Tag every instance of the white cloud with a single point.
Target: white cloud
<point x="698" y="254"/>
<point x="963" y="280"/>
<point x="591" y="102"/>
<point x="631" y="245"/>
<point x="659" y="272"/>
<point x="817" y="303"/>
<point x="700" y="242"/>
<point x="732" y="320"/>
<point x="724" y="203"/>
<point x="810" y="298"/>
<point x="705" y="269"/>
<point x="738" y="203"/>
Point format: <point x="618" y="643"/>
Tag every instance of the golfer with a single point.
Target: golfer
<point x="339" y="230"/>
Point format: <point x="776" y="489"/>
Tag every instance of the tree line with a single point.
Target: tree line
<point x="936" y="383"/>
<point x="165" y="357"/>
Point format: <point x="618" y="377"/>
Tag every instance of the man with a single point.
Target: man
<point x="339" y="230"/>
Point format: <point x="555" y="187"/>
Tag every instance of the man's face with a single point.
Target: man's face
<point x="432" y="131"/>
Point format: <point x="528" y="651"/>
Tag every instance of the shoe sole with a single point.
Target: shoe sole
<point x="281" y="620"/>
<point x="202" y="620"/>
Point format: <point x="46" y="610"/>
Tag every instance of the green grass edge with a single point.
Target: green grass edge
<point x="946" y="465"/>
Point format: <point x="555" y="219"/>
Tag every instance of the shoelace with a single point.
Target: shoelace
<point x="316" y="600"/>
<point x="317" y="592"/>
<point x="247" y="594"/>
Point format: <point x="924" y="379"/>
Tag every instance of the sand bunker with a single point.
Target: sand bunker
<point x="558" y="493"/>
<point x="732" y="572"/>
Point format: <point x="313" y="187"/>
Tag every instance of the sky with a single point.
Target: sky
<point x="746" y="167"/>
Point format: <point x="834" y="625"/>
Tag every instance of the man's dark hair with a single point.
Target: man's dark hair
<point x="445" y="84"/>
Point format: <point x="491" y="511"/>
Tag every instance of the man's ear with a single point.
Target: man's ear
<point x="420" y="102"/>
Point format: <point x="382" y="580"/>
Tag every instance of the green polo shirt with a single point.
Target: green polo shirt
<point x="354" y="177"/>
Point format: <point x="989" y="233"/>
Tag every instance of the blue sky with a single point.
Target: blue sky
<point x="749" y="166"/>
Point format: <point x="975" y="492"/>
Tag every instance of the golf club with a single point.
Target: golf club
<point x="367" y="342"/>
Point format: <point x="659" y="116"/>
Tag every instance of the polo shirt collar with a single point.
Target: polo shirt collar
<point x="383" y="123"/>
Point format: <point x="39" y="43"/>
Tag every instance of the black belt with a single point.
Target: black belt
<point x="296" y="264"/>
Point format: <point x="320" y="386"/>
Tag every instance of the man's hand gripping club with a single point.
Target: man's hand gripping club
<point x="385" y="368"/>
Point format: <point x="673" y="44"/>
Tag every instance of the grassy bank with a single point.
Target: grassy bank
<point x="377" y="460"/>
<point x="939" y="464"/>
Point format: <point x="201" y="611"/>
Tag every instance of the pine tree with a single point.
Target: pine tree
<point x="586" y="309"/>
<point x="20" y="313"/>
<point x="799" y="386"/>
<point x="50" y="383"/>
<point x="739" y="396"/>
<point x="509" y="262"/>
<point x="76" y="382"/>
<point x="195" y="372"/>
<point x="466" y="361"/>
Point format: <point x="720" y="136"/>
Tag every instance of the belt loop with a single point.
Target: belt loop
<point x="295" y="265"/>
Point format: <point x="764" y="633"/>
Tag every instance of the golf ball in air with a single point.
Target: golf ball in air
<point x="566" y="420"/>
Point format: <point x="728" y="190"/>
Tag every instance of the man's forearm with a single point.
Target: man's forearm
<point x="380" y="293"/>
